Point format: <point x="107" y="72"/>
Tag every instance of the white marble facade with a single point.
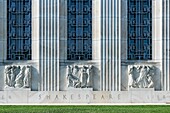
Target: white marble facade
<point x="111" y="71"/>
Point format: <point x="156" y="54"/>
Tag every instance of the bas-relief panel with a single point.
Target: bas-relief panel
<point x="79" y="76"/>
<point x="144" y="76"/>
<point x="17" y="76"/>
<point x="141" y="76"/>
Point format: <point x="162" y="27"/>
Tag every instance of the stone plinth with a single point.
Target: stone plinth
<point x="83" y="96"/>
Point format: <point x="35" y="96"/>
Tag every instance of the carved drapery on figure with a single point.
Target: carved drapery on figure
<point x="79" y="76"/>
<point x="141" y="76"/>
<point x="17" y="76"/>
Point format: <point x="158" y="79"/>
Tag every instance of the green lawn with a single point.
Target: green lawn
<point x="85" y="109"/>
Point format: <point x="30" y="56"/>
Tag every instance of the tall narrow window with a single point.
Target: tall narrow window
<point x="18" y="29"/>
<point x="139" y="29"/>
<point x="79" y="29"/>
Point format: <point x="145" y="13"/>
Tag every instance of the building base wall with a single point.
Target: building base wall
<point x="84" y="97"/>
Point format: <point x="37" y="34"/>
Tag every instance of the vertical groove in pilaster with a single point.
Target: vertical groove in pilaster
<point x="55" y="30"/>
<point x="110" y="42"/>
<point x="110" y="78"/>
<point x="113" y="44"/>
<point x="41" y="45"/>
<point x="169" y="43"/>
<point x="49" y="50"/>
<point x="102" y="50"/>
<point x="119" y="41"/>
<point x="51" y="45"/>
<point x="166" y="47"/>
<point x="58" y="46"/>
<point x="57" y="61"/>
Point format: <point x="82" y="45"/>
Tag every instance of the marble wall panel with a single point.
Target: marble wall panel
<point x="2" y="9"/>
<point x="15" y="97"/>
<point x="161" y="97"/>
<point x="36" y="97"/>
<point x="2" y="67"/>
<point x="120" y="97"/>
<point x="103" y="97"/>
<point x="141" y="96"/>
<point x="2" y="49"/>
<point x="3" y="97"/>
<point x="63" y="8"/>
<point x="124" y="80"/>
<point x="156" y="8"/>
<point x="1" y="29"/>
<point x="35" y="8"/>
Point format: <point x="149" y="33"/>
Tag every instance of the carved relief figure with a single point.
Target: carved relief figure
<point x="7" y="76"/>
<point x="140" y="77"/>
<point x="12" y="76"/>
<point x="132" y="82"/>
<point x="83" y="77"/>
<point x="89" y="73"/>
<point x="72" y="76"/>
<point x="78" y="76"/>
<point x="27" y="77"/>
<point x="17" y="76"/>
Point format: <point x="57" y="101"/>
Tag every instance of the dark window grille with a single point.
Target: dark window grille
<point x="139" y="29"/>
<point x="79" y="29"/>
<point x="19" y="30"/>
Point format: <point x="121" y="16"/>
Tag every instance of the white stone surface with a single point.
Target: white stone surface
<point x="109" y="52"/>
<point x="142" y="96"/>
<point x="17" y="76"/>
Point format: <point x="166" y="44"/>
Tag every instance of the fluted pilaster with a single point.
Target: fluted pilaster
<point x="49" y="41"/>
<point x="166" y="47"/>
<point x="111" y="48"/>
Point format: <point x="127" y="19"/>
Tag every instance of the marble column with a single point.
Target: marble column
<point x="110" y="45"/>
<point x="49" y="44"/>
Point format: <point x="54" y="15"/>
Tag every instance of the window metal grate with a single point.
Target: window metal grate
<point x="139" y="29"/>
<point x="18" y="29"/>
<point x="79" y="29"/>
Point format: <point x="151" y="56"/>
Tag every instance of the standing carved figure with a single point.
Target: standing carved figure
<point x="83" y="77"/>
<point x="19" y="78"/>
<point x="142" y="79"/>
<point x="89" y="73"/>
<point x="69" y="74"/>
<point x="12" y="75"/>
<point x="72" y="76"/>
<point x="7" y="76"/>
<point x="132" y="82"/>
<point x="27" y="76"/>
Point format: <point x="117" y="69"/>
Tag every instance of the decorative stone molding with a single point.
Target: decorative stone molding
<point x="141" y="76"/>
<point x="79" y="76"/>
<point x="17" y="76"/>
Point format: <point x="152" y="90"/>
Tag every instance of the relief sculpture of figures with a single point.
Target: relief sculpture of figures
<point x="27" y="77"/>
<point x="79" y="76"/>
<point x="72" y="76"/>
<point x="7" y="77"/>
<point x="17" y="76"/>
<point x="141" y="77"/>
